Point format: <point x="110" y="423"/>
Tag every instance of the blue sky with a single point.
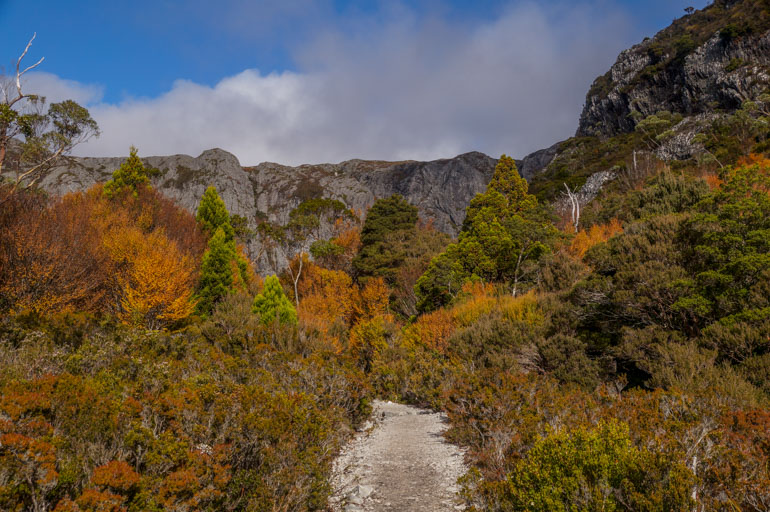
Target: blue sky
<point x="143" y="60"/>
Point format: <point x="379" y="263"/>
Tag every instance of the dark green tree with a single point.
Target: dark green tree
<point x="212" y="215"/>
<point x="442" y="281"/>
<point x="378" y="256"/>
<point x="504" y="234"/>
<point x="272" y="305"/>
<point x="216" y="279"/>
<point x="727" y="247"/>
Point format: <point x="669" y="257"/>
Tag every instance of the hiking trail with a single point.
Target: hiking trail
<point x="401" y="462"/>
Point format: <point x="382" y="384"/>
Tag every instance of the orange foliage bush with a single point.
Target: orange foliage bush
<point x="154" y="279"/>
<point x="348" y="240"/>
<point x="51" y="259"/>
<point x="432" y="330"/>
<point x="373" y="300"/>
<point x="116" y="475"/>
<point x="755" y="159"/>
<point x="133" y="256"/>
<point x="714" y="182"/>
<point x="328" y="298"/>
<point x="92" y="500"/>
<point x="479" y="300"/>
<point x="331" y="304"/>
<point x="597" y="234"/>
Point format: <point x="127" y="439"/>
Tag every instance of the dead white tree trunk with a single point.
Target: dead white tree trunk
<point x="575" y="202"/>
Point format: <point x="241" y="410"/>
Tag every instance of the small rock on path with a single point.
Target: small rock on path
<point x="401" y="463"/>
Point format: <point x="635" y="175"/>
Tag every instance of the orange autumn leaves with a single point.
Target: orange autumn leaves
<point x="154" y="279"/>
<point x="331" y="304"/>
<point x="595" y="235"/>
<point x="434" y="330"/>
<point x="762" y="163"/>
<point x="50" y="258"/>
<point x="91" y="254"/>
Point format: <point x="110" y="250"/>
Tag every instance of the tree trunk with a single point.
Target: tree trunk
<point x="296" y="280"/>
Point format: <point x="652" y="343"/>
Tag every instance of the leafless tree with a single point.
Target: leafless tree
<point x="12" y="95"/>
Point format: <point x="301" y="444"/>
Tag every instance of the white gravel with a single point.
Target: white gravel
<point x="399" y="463"/>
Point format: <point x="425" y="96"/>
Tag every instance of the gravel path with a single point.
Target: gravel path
<point x="401" y="463"/>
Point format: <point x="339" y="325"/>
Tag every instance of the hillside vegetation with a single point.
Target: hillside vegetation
<point x="622" y="366"/>
<point x="617" y="360"/>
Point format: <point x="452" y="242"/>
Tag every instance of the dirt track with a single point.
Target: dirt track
<point x="401" y="463"/>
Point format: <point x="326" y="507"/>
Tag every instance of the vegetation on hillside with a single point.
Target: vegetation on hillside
<point x="147" y="365"/>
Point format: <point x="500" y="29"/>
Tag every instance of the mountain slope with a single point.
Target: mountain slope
<point x="697" y="73"/>
<point x="711" y="60"/>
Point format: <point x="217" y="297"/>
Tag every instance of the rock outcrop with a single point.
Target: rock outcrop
<point x="712" y="60"/>
<point x="534" y="163"/>
<point x="441" y="189"/>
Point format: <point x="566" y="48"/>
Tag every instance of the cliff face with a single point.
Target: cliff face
<point x="712" y="60"/>
<point x="441" y="189"/>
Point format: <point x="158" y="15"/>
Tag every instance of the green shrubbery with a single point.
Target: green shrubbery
<point x="157" y="421"/>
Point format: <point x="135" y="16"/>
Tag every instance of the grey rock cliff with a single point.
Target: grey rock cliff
<point x="535" y="162"/>
<point x="441" y="189"/>
<point x="718" y="75"/>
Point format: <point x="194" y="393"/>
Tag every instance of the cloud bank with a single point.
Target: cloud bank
<point x="409" y="87"/>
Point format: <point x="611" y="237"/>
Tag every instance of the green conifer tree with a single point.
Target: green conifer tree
<point x="216" y="272"/>
<point x="379" y="256"/>
<point x="212" y="214"/>
<point x="273" y="305"/>
<point x="504" y="234"/>
<point x="129" y="176"/>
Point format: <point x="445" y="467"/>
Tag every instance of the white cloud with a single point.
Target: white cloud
<point x="411" y="87"/>
<point x="56" y="89"/>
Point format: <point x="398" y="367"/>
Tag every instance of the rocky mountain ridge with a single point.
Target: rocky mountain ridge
<point x="441" y="189"/>
<point x="709" y="61"/>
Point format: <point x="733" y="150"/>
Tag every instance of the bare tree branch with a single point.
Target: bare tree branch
<point x="37" y="167"/>
<point x="18" y="66"/>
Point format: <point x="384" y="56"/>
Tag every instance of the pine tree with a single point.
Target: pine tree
<point x="216" y="272"/>
<point x="273" y="304"/>
<point x="387" y="220"/>
<point x="212" y="214"/>
<point x="504" y="233"/>
<point x="129" y="176"/>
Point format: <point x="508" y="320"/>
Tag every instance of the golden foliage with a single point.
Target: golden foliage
<point x="155" y="279"/>
<point x="483" y="300"/>
<point x="373" y="301"/>
<point x="432" y="330"/>
<point x="327" y="303"/>
<point x="87" y="253"/>
<point x="597" y="234"/>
